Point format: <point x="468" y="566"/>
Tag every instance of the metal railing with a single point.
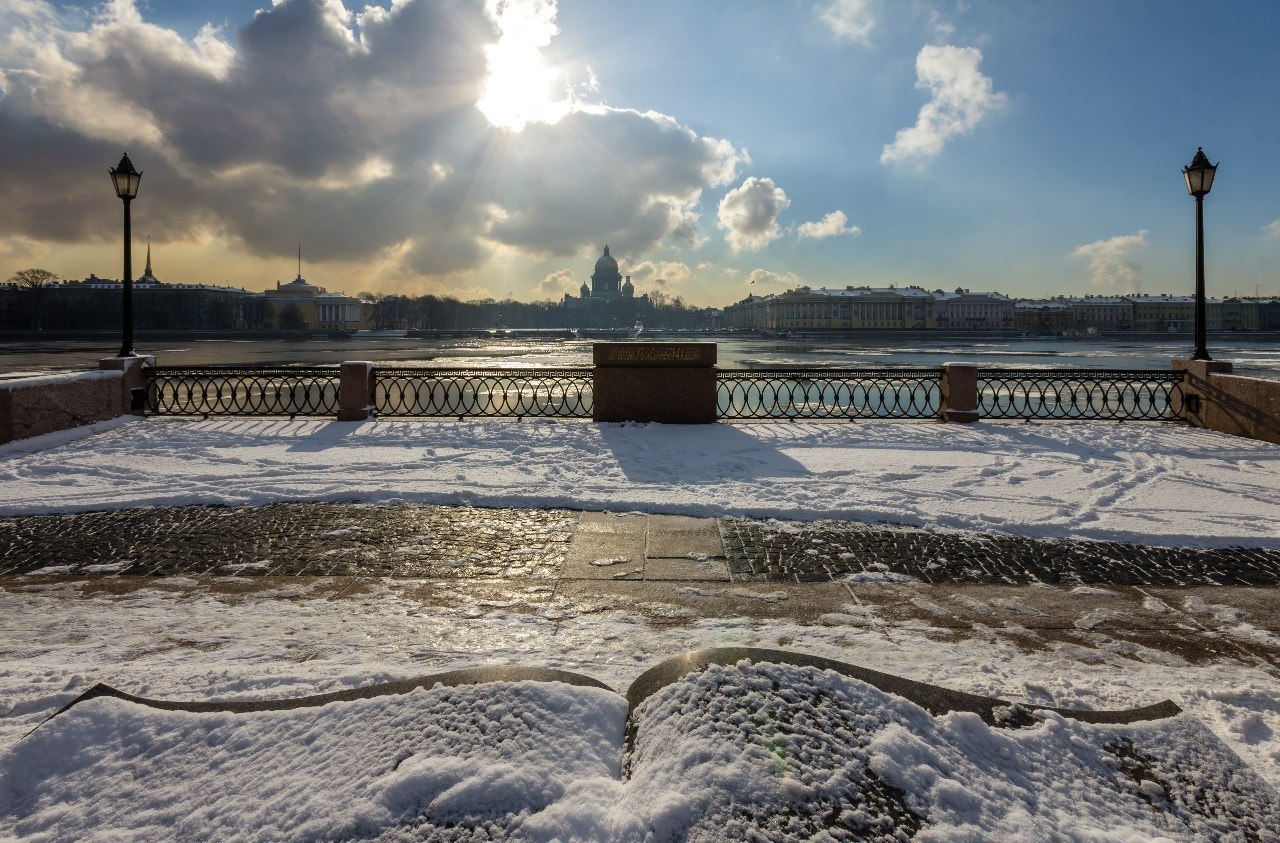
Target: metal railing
<point x="217" y="391"/>
<point x="741" y="394"/>
<point x="1105" y="394"/>
<point x="489" y="392"/>
<point x="828" y="393"/>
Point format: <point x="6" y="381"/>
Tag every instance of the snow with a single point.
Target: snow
<point x="1156" y="484"/>
<point x="51" y="380"/>
<point x="544" y="761"/>
<point x="173" y="638"/>
<point x="113" y="770"/>
<point x="748" y="751"/>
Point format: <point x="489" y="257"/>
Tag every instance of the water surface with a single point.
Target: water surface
<point x="1255" y="359"/>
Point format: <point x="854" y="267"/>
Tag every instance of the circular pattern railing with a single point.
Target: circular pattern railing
<point x="1079" y="394"/>
<point x="828" y="393"/>
<point x="492" y="392"/>
<point x="188" y="391"/>
<point x="741" y="394"/>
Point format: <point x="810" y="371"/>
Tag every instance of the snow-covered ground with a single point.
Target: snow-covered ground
<point x="762" y="752"/>
<point x="1151" y="483"/>
<point x="175" y="640"/>
<point x="178" y="639"/>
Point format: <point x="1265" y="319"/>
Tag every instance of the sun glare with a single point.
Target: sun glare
<point x="520" y="88"/>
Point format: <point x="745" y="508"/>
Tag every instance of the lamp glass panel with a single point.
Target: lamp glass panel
<point x="126" y="184"/>
<point x="1207" y="183"/>
<point x="1196" y="181"/>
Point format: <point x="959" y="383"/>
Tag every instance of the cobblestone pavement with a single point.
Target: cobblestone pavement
<point x="403" y="540"/>
<point x="827" y="550"/>
<point x="316" y="539"/>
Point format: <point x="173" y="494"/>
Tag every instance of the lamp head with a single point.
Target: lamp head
<point x="125" y="178"/>
<point x="1199" y="174"/>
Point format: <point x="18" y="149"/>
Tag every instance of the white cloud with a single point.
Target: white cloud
<point x="833" y="224"/>
<point x="1271" y="231"/>
<point x="683" y="227"/>
<point x="961" y="96"/>
<point x="1113" y="262"/>
<point x="749" y="214"/>
<point x="556" y="284"/>
<point x="942" y="28"/>
<point x="660" y="273"/>
<point x="851" y="20"/>
<point x="765" y="278"/>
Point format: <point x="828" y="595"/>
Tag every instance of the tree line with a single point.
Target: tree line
<point x="657" y="310"/>
<point x="34" y="300"/>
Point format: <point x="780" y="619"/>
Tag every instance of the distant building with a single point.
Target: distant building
<point x="1101" y="313"/>
<point x="750" y="314"/>
<point x="607" y="284"/>
<point x="96" y="304"/>
<point x="302" y="306"/>
<point x="853" y="308"/>
<point x="610" y="301"/>
<point x="967" y="311"/>
<point x="1269" y="314"/>
<point x="1239" y="314"/>
<point x="1166" y="314"/>
<point x="1043" y="317"/>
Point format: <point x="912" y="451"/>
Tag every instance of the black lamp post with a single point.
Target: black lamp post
<point x="126" y="180"/>
<point x="1199" y="175"/>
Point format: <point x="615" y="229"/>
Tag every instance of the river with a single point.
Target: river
<point x="1255" y="359"/>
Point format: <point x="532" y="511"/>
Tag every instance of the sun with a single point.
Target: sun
<point x="520" y="88"/>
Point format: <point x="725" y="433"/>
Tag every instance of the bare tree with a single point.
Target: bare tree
<point x="34" y="282"/>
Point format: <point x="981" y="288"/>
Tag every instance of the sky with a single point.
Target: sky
<point x="490" y="148"/>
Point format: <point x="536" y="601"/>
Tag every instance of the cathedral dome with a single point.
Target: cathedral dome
<point x="606" y="264"/>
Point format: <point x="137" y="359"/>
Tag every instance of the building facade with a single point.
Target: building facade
<point x="302" y="306"/>
<point x="607" y="284"/>
<point x="1167" y="314"/>
<point x="968" y="311"/>
<point x="853" y="308"/>
<point x="1096" y="314"/>
<point x="1043" y="317"/>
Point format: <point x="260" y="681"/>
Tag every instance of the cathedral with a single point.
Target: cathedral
<point x="610" y="302"/>
<point x="607" y="284"/>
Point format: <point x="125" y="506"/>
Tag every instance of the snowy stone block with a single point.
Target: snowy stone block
<point x="669" y="383"/>
<point x="959" y="392"/>
<point x="35" y="406"/>
<point x="355" y="391"/>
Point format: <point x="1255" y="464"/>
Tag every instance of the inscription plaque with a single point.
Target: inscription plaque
<point x="666" y="382"/>
<point x="654" y="354"/>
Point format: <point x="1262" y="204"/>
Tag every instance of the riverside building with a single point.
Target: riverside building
<point x="853" y="308"/>
<point x="610" y="301"/>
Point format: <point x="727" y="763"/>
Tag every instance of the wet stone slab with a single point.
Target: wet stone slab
<point x="830" y="550"/>
<point x="313" y="539"/>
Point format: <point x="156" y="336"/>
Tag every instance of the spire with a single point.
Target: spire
<point x="148" y="272"/>
<point x="299" y="260"/>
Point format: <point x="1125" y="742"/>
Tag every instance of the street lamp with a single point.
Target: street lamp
<point x="126" y="180"/>
<point x="1199" y="175"/>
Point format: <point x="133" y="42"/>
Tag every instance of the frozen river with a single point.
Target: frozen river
<point x="1257" y="359"/>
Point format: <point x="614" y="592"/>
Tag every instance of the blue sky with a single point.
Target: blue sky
<point x="721" y="147"/>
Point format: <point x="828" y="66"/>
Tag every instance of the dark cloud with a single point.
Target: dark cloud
<point x="357" y="134"/>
